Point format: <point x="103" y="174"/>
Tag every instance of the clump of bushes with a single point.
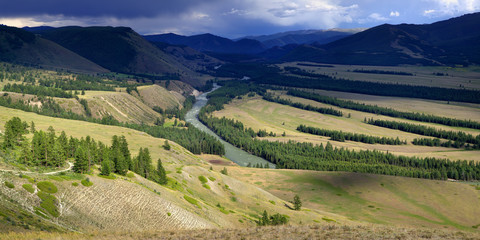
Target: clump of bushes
<point x="191" y="200"/>
<point x="28" y="187"/>
<point x="47" y="186"/>
<point x="9" y="184"/>
<point x="49" y="203"/>
<point x="86" y="182"/>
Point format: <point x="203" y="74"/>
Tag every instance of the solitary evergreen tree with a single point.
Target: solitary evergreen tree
<point x="162" y="175"/>
<point x="166" y="145"/>
<point x="297" y="203"/>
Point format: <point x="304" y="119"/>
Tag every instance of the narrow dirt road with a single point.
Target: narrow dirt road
<point x="70" y="166"/>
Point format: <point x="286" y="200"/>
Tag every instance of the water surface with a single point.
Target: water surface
<point x="233" y="153"/>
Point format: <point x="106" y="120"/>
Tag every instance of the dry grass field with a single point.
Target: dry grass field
<point x="373" y="198"/>
<point x="260" y="114"/>
<point x="456" y="78"/>
<point x="154" y="95"/>
<point x="440" y="108"/>
<point x="122" y="106"/>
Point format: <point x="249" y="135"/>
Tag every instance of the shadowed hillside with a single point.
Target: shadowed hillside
<point x="22" y="47"/>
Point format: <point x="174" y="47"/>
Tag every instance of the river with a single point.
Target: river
<point x="233" y="153"/>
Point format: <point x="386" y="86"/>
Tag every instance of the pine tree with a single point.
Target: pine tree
<point x="162" y="175"/>
<point x="126" y="153"/>
<point x="106" y="168"/>
<point x="32" y="127"/>
<point x="26" y="155"/>
<point x="81" y="160"/>
<point x="14" y="129"/>
<point x="297" y="203"/>
<point x="121" y="166"/>
<point x="166" y="145"/>
<point x="264" y="221"/>
<point x="60" y="155"/>
<point x="147" y="160"/>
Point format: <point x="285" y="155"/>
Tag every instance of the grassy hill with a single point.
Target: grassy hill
<point x="373" y="198"/>
<point x="21" y="47"/>
<point x="156" y="96"/>
<point x="122" y="106"/>
<point x="100" y="206"/>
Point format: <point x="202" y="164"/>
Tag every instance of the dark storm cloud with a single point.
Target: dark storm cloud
<point x="98" y="8"/>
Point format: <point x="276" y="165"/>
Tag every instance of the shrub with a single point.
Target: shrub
<point x="9" y="184"/>
<point x="202" y="179"/>
<point x="29" y="188"/>
<point x="86" y="182"/>
<point x="169" y="214"/>
<point x="191" y="200"/>
<point x="212" y="179"/>
<point x="48" y="203"/>
<point x="130" y="175"/>
<point x="74" y="184"/>
<point x="328" y="219"/>
<point x="47" y="186"/>
<point x="110" y="176"/>
<point x="206" y="186"/>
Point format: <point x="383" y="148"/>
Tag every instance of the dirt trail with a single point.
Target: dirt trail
<point x="70" y="166"/>
<point x="123" y="114"/>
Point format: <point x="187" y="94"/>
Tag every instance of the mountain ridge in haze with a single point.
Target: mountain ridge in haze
<point x="303" y="37"/>
<point x="210" y="43"/>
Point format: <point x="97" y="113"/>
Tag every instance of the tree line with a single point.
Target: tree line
<point x="421" y="117"/>
<point x="81" y="82"/>
<point x="49" y="150"/>
<point x="436" y="142"/>
<point x="459" y="137"/>
<point x="382" y="72"/>
<point x="346" y="136"/>
<point x="305" y="79"/>
<point x="37" y="90"/>
<point x="308" y="107"/>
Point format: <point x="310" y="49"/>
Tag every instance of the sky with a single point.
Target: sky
<point x="229" y="18"/>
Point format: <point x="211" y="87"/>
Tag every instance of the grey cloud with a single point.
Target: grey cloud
<point x="98" y="8"/>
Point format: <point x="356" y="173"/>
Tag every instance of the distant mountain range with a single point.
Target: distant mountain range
<point x="453" y="41"/>
<point x="211" y="43"/>
<point x="120" y="49"/>
<point x="449" y="42"/>
<point x="303" y="37"/>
